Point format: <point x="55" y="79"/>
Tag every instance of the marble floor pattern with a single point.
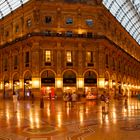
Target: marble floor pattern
<point x="82" y="121"/>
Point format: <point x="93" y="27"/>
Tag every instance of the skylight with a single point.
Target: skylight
<point x="7" y="6"/>
<point x="127" y="12"/>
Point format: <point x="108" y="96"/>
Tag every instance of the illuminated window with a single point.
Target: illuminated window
<point x="29" y="23"/>
<point x="89" y="57"/>
<point x="69" y="56"/>
<point x="47" y="56"/>
<point x="17" y="28"/>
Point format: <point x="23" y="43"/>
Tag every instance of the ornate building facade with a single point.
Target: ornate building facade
<point x="66" y="46"/>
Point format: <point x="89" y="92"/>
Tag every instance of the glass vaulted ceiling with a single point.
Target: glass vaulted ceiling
<point x="7" y="6"/>
<point x="127" y="12"/>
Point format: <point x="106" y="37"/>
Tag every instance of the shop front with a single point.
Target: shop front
<point x="16" y="85"/>
<point x="90" y="82"/>
<point x="27" y="88"/>
<point x="6" y="89"/>
<point x="69" y="82"/>
<point x="48" y="84"/>
<point x="28" y="85"/>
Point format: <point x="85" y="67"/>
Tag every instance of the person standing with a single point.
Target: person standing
<point x="102" y="98"/>
<point x="65" y="99"/>
<point x="69" y="100"/>
<point x="74" y="98"/>
<point x="15" y="102"/>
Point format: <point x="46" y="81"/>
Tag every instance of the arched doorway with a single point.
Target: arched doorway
<point x="6" y="88"/>
<point x="16" y="84"/>
<point x="27" y="85"/>
<point x="48" y="84"/>
<point x="90" y="82"/>
<point x="69" y="81"/>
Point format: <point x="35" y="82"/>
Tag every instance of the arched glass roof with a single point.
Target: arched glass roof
<point x="127" y="12"/>
<point x="7" y="6"/>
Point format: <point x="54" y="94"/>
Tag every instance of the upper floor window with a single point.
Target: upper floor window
<point x="27" y="59"/>
<point x="89" y="58"/>
<point x="48" y="19"/>
<point x="17" y="28"/>
<point x="7" y="33"/>
<point x="119" y="65"/>
<point x="15" y="60"/>
<point x="47" y="56"/>
<point x="113" y="64"/>
<point x="69" y="21"/>
<point x="69" y="56"/>
<point x="29" y="23"/>
<point x="89" y="34"/>
<point x="89" y="22"/>
<point x="5" y="64"/>
<point x="69" y="33"/>
<point x="106" y="60"/>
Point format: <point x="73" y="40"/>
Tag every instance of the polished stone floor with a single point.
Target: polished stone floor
<point x="83" y="121"/>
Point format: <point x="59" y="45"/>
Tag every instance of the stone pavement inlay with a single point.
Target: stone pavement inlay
<point x="59" y="122"/>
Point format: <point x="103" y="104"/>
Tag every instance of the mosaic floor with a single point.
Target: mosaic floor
<point x="82" y="121"/>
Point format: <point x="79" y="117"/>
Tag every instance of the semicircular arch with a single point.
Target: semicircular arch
<point x="91" y="71"/>
<point x="47" y="70"/>
<point x="27" y="75"/>
<point x="69" y="70"/>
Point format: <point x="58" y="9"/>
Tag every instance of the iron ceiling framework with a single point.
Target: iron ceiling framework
<point x="7" y="6"/>
<point x="127" y="12"/>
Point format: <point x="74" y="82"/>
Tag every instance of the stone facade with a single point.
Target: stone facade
<point x="61" y="26"/>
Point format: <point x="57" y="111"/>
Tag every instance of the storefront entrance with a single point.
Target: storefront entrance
<point x="27" y="88"/>
<point x="48" y="84"/>
<point x="69" y="82"/>
<point x="90" y="82"/>
<point x="6" y="89"/>
<point x="16" y="85"/>
<point x="27" y="85"/>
